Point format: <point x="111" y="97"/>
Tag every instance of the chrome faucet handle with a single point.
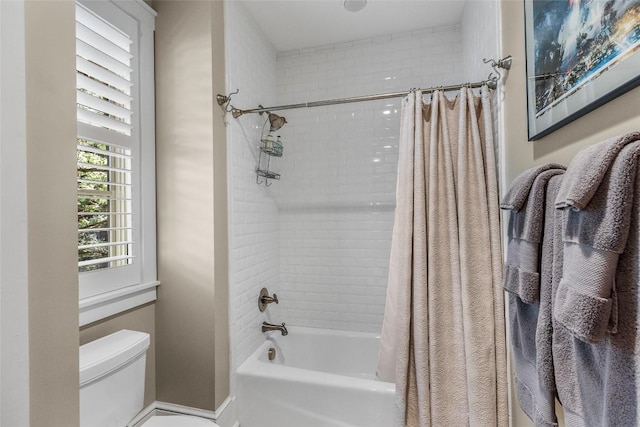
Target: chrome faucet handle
<point x="269" y="300"/>
<point x="264" y="299"/>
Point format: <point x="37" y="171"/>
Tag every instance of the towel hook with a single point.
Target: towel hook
<point x="504" y="63"/>
<point x="225" y="101"/>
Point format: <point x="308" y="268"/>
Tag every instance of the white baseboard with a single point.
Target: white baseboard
<point x="186" y="410"/>
<point x="224" y="415"/>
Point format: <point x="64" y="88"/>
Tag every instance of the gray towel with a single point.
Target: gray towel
<point x="536" y="401"/>
<point x="521" y="271"/>
<point x="522" y="280"/>
<point x="594" y="238"/>
<point x="587" y="170"/>
<point x="598" y="383"/>
<point x="550" y="274"/>
<point x="518" y="193"/>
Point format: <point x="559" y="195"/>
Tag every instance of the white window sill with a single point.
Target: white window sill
<point x="108" y="304"/>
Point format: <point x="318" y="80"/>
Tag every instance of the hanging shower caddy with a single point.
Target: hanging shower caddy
<point x="269" y="147"/>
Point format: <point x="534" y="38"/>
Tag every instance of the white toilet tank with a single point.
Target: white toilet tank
<point x="112" y="371"/>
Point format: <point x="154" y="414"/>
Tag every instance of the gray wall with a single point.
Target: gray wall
<point x="51" y="198"/>
<point x="50" y="164"/>
<point x="192" y="351"/>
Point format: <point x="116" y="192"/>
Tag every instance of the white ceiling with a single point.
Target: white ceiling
<point x="299" y="24"/>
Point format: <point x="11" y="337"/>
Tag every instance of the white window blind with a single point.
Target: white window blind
<point x="103" y="77"/>
<point x="108" y="147"/>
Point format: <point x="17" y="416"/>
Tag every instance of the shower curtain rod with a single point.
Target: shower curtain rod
<point x="236" y="112"/>
<point x="491" y="83"/>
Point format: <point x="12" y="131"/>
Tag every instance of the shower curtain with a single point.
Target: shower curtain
<point x="443" y="340"/>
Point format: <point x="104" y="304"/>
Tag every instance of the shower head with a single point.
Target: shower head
<point x="276" y="121"/>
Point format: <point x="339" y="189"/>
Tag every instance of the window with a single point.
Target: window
<point x="116" y="185"/>
<point x="105" y="226"/>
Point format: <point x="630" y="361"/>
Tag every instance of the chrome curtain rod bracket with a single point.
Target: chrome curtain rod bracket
<point x="491" y="82"/>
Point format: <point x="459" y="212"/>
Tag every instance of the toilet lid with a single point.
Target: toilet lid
<point x="178" y="421"/>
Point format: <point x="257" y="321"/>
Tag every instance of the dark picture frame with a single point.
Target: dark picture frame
<point x="580" y="54"/>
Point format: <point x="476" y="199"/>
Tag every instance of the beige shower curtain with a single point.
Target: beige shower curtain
<point x="443" y="340"/>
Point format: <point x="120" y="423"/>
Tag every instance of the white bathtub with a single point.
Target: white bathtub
<point x="319" y="378"/>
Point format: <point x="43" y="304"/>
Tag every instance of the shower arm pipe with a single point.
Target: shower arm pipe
<point x="236" y="112"/>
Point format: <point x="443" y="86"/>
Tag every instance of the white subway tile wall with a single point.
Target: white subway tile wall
<point x="480" y="39"/>
<point x="480" y="30"/>
<point x="337" y="192"/>
<point x="320" y="237"/>
<point x="253" y="219"/>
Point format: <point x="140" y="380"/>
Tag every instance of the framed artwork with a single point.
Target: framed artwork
<point x="580" y="55"/>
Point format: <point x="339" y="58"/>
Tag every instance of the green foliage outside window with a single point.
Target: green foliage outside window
<point x="93" y="199"/>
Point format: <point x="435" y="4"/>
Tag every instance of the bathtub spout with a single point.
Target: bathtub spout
<point x="270" y="327"/>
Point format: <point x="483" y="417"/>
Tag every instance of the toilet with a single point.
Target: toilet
<point x="112" y="371"/>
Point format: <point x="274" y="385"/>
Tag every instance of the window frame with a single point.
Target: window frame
<point x="103" y="295"/>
